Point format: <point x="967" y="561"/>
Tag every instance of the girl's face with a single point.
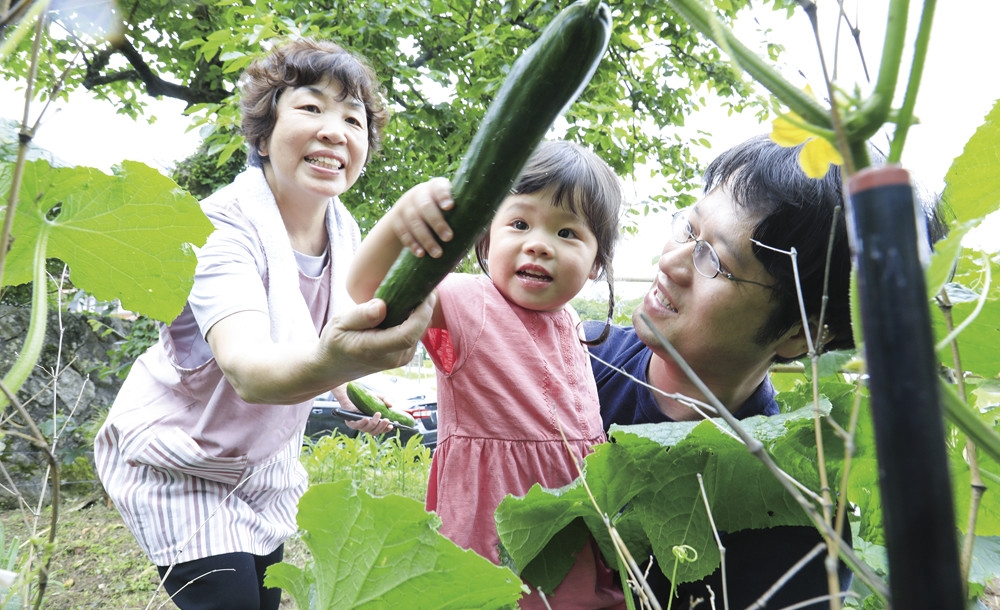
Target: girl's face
<point x="540" y="255"/>
<point x="319" y="143"/>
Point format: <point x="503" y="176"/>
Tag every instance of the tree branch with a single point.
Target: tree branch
<point x="141" y="72"/>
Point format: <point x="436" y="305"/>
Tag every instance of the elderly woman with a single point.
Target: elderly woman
<point x="200" y="450"/>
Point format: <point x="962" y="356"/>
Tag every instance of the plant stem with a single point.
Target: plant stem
<point x="874" y="111"/>
<point x="718" y="542"/>
<point x="14" y="36"/>
<point x="980" y="303"/>
<point x="835" y="118"/>
<point x="956" y="409"/>
<point x="965" y="419"/>
<point x="798" y="101"/>
<point x="905" y="118"/>
<point x="814" y="349"/>
<point x="24" y="137"/>
<point x="852" y="427"/>
<point x="833" y="543"/>
<point x="977" y="488"/>
<point x="627" y="566"/>
<point x="38" y="439"/>
<point x="859" y="153"/>
<point x="33" y="343"/>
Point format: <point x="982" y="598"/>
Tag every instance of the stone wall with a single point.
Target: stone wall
<point x="68" y="384"/>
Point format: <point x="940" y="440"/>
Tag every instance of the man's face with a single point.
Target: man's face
<point x="711" y="321"/>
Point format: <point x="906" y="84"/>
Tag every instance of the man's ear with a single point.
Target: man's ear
<point x="794" y="345"/>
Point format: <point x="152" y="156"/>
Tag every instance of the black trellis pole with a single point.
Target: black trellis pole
<point x="920" y="531"/>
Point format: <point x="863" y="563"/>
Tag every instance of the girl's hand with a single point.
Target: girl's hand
<point x="417" y="220"/>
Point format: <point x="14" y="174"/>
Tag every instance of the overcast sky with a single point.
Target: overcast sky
<point x="959" y="88"/>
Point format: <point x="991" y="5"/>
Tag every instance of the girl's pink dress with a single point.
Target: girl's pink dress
<point x="507" y="379"/>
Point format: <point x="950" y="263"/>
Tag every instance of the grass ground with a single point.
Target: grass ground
<point x="98" y="565"/>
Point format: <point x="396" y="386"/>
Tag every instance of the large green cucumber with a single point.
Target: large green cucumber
<point x="369" y="404"/>
<point x="542" y="83"/>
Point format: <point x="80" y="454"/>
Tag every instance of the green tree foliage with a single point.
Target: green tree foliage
<point x="440" y="63"/>
<point x="597" y="309"/>
<point x="201" y="174"/>
<point x="590" y="309"/>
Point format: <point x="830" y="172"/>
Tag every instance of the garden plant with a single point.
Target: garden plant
<point x="832" y="459"/>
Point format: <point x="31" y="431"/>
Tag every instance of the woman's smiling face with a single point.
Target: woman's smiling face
<point x="319" y="143"/>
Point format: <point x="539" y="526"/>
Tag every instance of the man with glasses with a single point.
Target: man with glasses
<point x="725" y="298"/>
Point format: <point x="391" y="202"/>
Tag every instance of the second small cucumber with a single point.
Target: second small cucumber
<point x="369" y="404"/>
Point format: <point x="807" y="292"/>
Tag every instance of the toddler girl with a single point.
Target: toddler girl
<point x="511" y="370"/>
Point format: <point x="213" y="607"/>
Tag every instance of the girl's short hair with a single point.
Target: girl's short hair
<point x="299" y="63"/>
<point x="582" y="183"/>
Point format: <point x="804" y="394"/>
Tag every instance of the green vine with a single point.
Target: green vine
<point x="35" y="339"/>
<point x="682" y="554"/>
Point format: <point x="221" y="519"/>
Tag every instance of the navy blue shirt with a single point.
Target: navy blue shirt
<point x="623" y="401"/>
<point x="755" y="559"/>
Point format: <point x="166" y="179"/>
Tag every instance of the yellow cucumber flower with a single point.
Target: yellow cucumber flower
<point x="816" y="155"/>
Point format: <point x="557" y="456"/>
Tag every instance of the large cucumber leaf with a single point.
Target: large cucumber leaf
<point x="127" y="236"/>
<point x="980" y="337"/>
<point x="385" y="552"/>
<point x="645" y="480"/>
<point x="972" y="185"/>
<point x="972" y="191"/>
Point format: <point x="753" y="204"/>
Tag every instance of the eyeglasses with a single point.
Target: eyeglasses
<point x="706" y="259"/>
